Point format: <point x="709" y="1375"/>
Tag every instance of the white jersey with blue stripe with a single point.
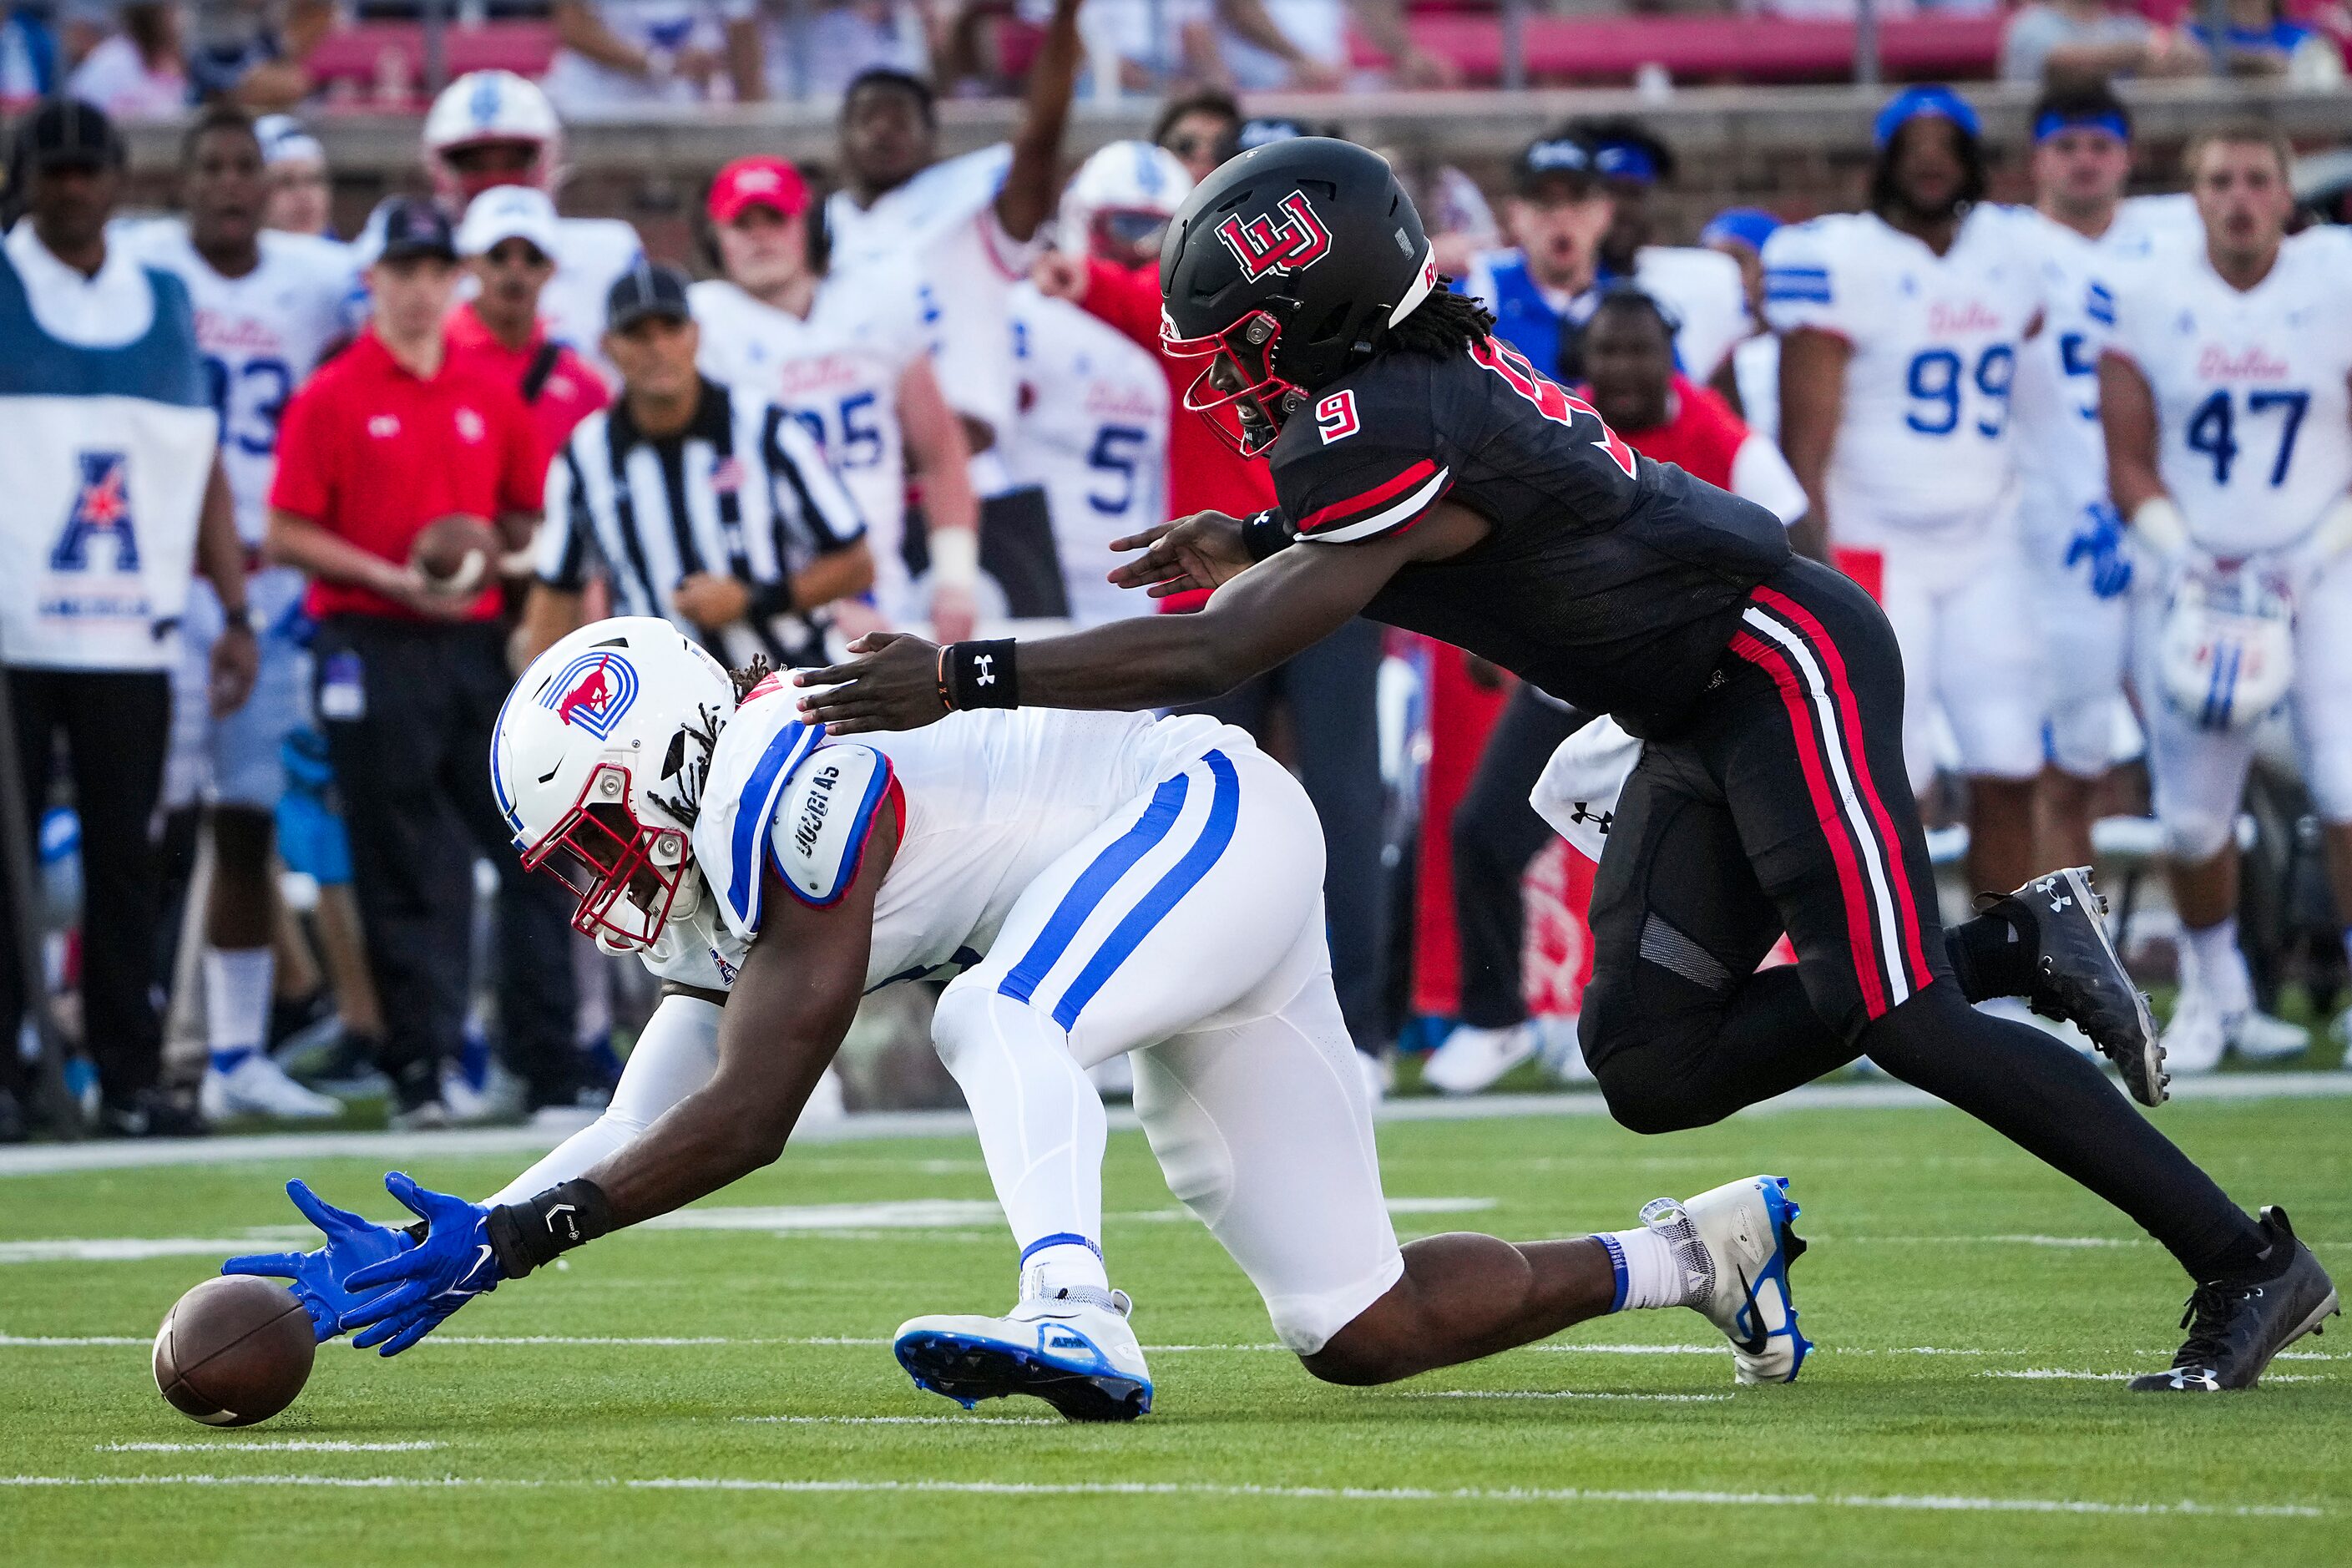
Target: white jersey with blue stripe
<point x="987" y="800"/>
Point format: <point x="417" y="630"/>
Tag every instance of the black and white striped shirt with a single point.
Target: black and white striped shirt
<point x="743" y="492"/>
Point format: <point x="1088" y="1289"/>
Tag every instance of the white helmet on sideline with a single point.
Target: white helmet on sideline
<point x="1121" y="200"/>
<point x="597" y="762"/>
<point x="2227" y="650"/>
<point x="490" y="106"/>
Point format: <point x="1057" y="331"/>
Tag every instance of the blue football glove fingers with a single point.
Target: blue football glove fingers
<point x="416" y="1264"/>
<point x="390" y="1303"/>
<point x="416" y="1327"/>
<point x="332" y="1222"/>
<point x="268" y="1265"/>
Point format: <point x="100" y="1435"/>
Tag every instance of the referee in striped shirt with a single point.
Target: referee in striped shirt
<point x="702" y="505"/>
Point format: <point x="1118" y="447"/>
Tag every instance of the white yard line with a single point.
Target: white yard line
<point x="1924" y="1502"/>
<point x="285" y="1446"/>
<point x="277" y="1150"/>
<point x="903" y="1420"/>
<point x="1559" y="1394"/>
<point x="2068" y="1374"/>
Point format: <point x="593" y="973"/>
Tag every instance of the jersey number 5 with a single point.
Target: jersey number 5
<point x="1549" y="399"/>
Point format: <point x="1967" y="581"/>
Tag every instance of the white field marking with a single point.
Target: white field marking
<point x="274" y="1151"/>
<point x="69" y="1342"/>
<point x="1929" y="1503"/>
<point x="1561" y="1394"/>
<point x="2070" y="1375"/>
<point x="123" y="1248"/>
<point x="286" y="1446"/>
<point x="904" y="1420"/>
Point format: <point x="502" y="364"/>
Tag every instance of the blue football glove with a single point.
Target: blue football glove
<point x="319" y="1279"/>
<point x="454" y="1264"/>
<point x="2101" y="545"/>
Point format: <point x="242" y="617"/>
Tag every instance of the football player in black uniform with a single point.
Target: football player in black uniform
<point x="1429" y="478"/>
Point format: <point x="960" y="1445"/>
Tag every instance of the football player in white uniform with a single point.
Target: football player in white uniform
<point x="849" y="354"/>
<point x="494" y="128"/>
<point x="1090" y="421"/>
<point x="301" y="192"/>
<point x="1099" y="884"/>
<point x="2073" y="539"/>
<point x="1701" y="288"/>
<point x="266" y="304"/>
<point x="2226" y="393"/>
<point x="1901" y="328"/>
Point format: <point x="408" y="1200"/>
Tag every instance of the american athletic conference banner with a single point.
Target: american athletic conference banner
<point x="99" y="504"/>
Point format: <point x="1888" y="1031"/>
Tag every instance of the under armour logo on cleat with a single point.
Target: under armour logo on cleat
<point x="982" y="663"/>
<point x="2058" y="904"/>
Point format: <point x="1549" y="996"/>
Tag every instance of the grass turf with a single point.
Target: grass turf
<point x="1922" y="1225"/>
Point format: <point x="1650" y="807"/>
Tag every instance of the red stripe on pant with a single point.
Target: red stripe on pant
<point x="1860" y="933"/>
<point x="1848" y="713"/>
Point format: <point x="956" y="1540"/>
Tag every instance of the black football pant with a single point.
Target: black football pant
<point x="116" y="726"/>
<point x="1783" y="805"/>
<point x="1496" y="833"/>
<point x="413" y="771"/>
<point x="1330" y="692"/>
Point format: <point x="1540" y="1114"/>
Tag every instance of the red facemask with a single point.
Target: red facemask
<point x="1237" y="392"/>
<point x="624" y="873"/>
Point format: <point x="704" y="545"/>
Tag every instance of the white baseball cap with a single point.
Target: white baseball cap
<point x="507" y="212"/>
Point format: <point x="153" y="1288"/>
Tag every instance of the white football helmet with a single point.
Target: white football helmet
<point x="490" y="106"/>
<point x="2227" y="651"/>
<point x="598" y="747"/>
<point x="1120" y="201"/>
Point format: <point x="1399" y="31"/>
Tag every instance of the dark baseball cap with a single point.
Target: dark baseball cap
<point x="648" y="288"/>
<point x="66" y="132"/>
<point x="1559" y="156"/>
<point x="414" y="227"/>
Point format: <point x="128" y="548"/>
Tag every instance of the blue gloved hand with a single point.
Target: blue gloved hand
<point x="454" y="1264"/>
<point x="319" y="1280"/>
<point x="2101" y="544"/>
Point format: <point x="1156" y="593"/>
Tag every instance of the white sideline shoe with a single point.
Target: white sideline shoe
<point x="1473" y="1058"/>
<point x="259" y="1087"/>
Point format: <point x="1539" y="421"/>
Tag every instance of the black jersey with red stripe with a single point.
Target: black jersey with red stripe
<point x="1611" y="580"/>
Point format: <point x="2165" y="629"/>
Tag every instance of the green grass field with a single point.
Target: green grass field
<point x="729" y="1394"/>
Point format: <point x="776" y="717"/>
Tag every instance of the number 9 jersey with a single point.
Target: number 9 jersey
<point x="2253" y="414"/>
<point x="1925" y="440"/>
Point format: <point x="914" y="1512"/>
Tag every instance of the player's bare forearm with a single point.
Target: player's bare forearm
<point x="219" y="553"/>
<point x="1813" y="404"/>
<point x="787" y="1017"/>
<point x="837" y="574"/>
<point x="939" y="450"/>
<point x="2128" y="420"/>
<point x="1027" y="197"/>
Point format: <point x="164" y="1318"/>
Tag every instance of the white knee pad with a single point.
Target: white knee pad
<point x="2195" y="836"/>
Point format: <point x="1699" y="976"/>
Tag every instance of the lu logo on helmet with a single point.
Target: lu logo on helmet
<point x="593" y="692"/>
<point x="1263" y="246"/>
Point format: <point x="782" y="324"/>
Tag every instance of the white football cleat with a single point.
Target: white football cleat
<point x="2259" y="1038"/>
<point x="2194" y="1040"/>
<point x="259" y="1087"/>
<point x="1473" y="1058"/>
<point x="1735" y="1245"/>
<point x="1074" y="1350"/>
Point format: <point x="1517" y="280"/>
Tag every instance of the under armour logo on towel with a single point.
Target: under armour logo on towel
<point x="1583" y="813"/>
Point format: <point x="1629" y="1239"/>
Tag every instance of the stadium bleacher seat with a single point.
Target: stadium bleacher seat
<point x="358" y="55"/>
<point x="1708" y="48"/>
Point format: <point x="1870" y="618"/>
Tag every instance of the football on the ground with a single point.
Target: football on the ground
<point x="456" y="553"/>
<point x="233" y="1351"/>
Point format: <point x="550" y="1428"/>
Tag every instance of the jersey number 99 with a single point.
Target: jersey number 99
<point x="1936" y="382"/>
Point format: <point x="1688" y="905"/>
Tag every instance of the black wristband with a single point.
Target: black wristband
<point x="533" y="1232"/>
<point x="980" y="675"/>
<point x="1266" y="533"/>
<point x="770" y="600"/>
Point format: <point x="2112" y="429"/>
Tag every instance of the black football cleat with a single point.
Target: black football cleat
<point x="2079" y="978"/>
<point x="2236" y="1326"/>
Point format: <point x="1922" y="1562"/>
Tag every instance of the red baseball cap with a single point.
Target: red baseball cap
<point x="770" y="183"/>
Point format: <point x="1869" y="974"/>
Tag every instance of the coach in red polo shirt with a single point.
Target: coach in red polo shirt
<point x="390" y="435"/>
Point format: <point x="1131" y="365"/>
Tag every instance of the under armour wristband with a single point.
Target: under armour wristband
<point x="1267" y="532"/>
<point x="979" y="675"/>
<point x="533" y="1232"/>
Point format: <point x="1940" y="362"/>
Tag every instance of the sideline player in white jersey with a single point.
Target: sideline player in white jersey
<point x="2093" y="239"/>
<point x="1090" y="421"/>
<point x="969" y="226"/>
<point x="266" y="305"/>
<point x="1901" y="328"/>
<point x="849" y="355"/>
<point x="1097" y="884"/>
<point x="494" y="128"/>
<point x="2226" y="393"/>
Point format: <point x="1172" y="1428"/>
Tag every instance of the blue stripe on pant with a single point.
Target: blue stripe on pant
<point x="1087" y="894"/>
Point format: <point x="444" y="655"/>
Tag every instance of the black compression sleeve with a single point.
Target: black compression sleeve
<point x="533" y="1232"/>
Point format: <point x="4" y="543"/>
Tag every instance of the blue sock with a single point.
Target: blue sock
<point x="229" y="1059"/>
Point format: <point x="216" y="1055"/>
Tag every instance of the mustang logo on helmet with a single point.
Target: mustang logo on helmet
<point x="1263" y="246"/>
<point x="593" y="692"/>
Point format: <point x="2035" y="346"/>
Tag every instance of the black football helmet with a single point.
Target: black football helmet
<point x="1283" y="268"/>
